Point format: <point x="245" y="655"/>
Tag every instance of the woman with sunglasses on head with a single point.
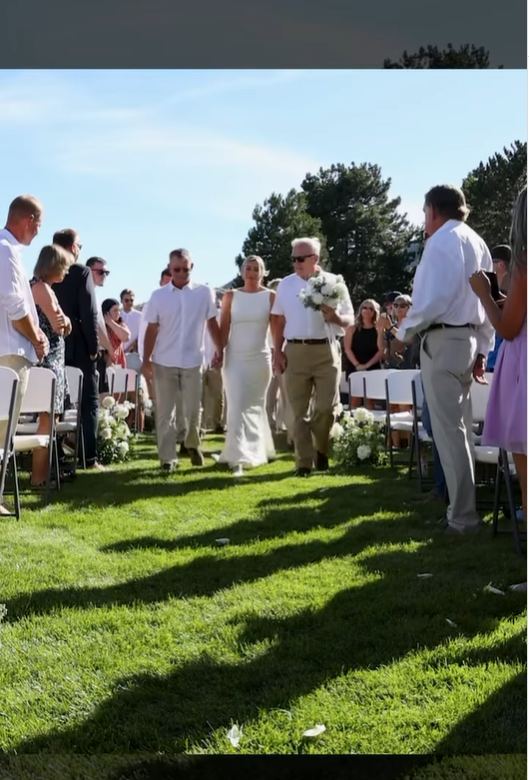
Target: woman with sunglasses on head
<point x="361" y="345"/>
<point x="403" y="356"/>
<point x="117" y="332"/>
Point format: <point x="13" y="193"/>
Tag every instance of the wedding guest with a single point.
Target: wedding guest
<point x="402" y="356"/>
<point x="97" y="266"/>
<point x="77" y="298"/>
<point x="52" y="266"/>
<point x="22" y="341"/>
<point x="456" y="336"/>
<point x="132" y="319"/>
<point x="278" y="407"/>
<point x="361" y="346"/>
<point x="311" y="359"/>
<point x="213" y="405"/>
<point x="118" y="333"/>
<point x="506" y="418"/>
<point x="173" y="354"/>
<point x="501" y="259"/>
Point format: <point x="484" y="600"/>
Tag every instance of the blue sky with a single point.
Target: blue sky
<point x="140" y="162"/>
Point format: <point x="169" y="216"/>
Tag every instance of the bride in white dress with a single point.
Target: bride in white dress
<point x="247" y="371"/>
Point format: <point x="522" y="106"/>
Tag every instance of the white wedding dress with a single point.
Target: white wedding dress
<point x="247" y="372"/>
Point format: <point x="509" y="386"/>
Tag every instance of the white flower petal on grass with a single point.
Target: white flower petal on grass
<point x="451" y="623"/>
<point x="318" y="729"/>
<point x="234" y="735"/>
<point x="424" y="576"/>
<point x="222" y="540"/>
<point x="491" y="589"/>
<point x="520" y="587"/>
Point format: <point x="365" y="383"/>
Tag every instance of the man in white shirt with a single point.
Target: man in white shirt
<point x="97" y="265"/>
<point x="456" y="337"/>
<point x="311" y="358"/>
<point x="22" y="342"/>
<point x="173" y="354"/>
<point x="132" y="319"/>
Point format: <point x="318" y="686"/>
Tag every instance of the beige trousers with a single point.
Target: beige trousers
<point x="213" y="399"/>
<point x="447" y="359"/>
<point x="278" y="407"/>
<point x="312" y="368"/>
<point x="21" y="365"/>
<point x="178" y="393"/>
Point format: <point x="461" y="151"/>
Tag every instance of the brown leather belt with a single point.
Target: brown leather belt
<point x="307" y="341"/>
<point x="439" y="325"/>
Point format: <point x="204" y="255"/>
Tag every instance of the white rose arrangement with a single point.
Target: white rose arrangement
<point x="324" y="291"/>
<point x="114" y="435"/>
<point x="358" y="440"/>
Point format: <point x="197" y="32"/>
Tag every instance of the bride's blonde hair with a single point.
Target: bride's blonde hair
<point x="260" y="263"/>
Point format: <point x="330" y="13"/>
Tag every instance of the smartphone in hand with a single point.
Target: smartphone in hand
<point x="494" y="287"/>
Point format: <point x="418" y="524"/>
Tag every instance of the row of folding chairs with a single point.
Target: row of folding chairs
<point x="404" y="388"/>
<point x="22" y="436"/>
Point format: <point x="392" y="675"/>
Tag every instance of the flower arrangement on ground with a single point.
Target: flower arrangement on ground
<point x="357" y="439"/>
<point x="114" y="435"/>
<point x="323" y="290"/>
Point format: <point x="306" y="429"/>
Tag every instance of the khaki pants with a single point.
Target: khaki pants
<point x="178" y="393"/>
<point x="21" y="366"/>
<point x="278" y="408"/>
<point x="447" y="359"/>
<point x="213" y="399"/>
<point x="312" y="368"/>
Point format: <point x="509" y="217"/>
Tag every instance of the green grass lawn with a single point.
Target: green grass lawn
<point x="130" y="629"/>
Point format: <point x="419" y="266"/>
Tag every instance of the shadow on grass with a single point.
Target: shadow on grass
<point x="358" y="628"/>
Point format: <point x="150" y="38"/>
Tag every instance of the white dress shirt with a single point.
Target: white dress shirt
<point x="132" y="320"/>
<point x="301" y="322"/>
<point x="16" y="299"/>
<point x="441" y="290"/>
<point x="181" y="315"/>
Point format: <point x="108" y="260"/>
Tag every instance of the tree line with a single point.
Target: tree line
<point x="364" y="236"/>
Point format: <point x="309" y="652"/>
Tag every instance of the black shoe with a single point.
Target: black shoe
<point x="184" y="452"/>
<point x="303" y="472"/>
<point x="322" y="462"/>
<point x="196" y="457"/>
<point x="219" y="430"/>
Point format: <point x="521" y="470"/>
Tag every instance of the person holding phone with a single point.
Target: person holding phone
<point x="501" y="259"/>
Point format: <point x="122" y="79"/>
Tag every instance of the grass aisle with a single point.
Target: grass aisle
<point x="130" y="628"/>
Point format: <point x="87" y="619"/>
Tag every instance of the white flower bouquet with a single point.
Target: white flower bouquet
<point x="114" y="435"/>
<point x="358" y="439"/>
<point x="322" y="290"/>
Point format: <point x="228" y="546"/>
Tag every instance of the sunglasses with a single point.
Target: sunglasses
<point x="128" y="300"/>
<point x="102" y="272"/>
<point x="301" y="258"/>
<point x="181" y="270"/>
<point x="79" y="246"/>
<point x="367" y="308"/>
<point x="401" y="305"/>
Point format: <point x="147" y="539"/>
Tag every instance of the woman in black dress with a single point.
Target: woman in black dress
<point x="361" y="345"/>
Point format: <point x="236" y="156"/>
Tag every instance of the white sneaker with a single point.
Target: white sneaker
<point x="215" y="456"/>
<point x="238" y="471"/>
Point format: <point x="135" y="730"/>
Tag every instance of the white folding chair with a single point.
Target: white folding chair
<point x="125" y="380"/>
<point x="375" y="389"/>
<point x="9" y="381"/>
<point x="420" y="436"/>
<point x="72" y="418"/>
<point x="399" y="391"/>
<point x="38" y="398"/>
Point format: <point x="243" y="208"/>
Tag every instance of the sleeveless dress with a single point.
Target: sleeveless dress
<point x="505" y="423"/>
<point x="247" y="372"/>
<point x="365" y="347"/>
<point x="55" y="359"/>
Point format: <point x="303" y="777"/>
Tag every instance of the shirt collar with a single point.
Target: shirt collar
<point x="10" y="236"/>
<point x="189" y="286"/>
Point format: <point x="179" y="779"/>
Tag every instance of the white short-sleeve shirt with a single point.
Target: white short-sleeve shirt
<point x="132" y="320"/>
<point x="301" y="322"/>
<point x="16" y="299"/>
<point x="181" y="315"/>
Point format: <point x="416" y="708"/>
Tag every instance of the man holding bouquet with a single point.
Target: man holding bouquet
<point x="311" y="311"/>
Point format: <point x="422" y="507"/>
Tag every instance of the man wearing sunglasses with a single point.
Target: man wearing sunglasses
<point x="173" y="356"/>
<point x="77" y="298"/>
<point x="311" y="358"/>
<point x="97" y="265"/>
